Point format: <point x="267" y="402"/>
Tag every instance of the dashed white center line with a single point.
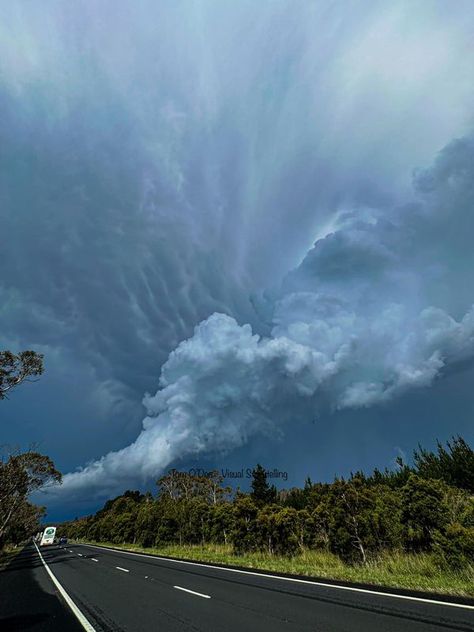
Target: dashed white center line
<point x="94" y="560"/>
<point x="125" y="570"/>
<point x="71" y="551"/>
<point x="80" y="554"/>
<point x="307" y="582"/>
<point x="192" y="592"/>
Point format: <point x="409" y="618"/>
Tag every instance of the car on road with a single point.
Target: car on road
<point x="62" y="540"/>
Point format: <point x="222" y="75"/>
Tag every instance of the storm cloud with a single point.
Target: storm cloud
<point x="352" y="326"/>
<point x="246" y="171"/>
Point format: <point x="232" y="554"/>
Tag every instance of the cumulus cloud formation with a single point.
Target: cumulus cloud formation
<point x="352" y="326"/>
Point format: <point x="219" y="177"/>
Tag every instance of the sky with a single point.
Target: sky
<point x="239" y="232"/>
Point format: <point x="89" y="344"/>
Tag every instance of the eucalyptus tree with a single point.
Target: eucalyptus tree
<point x="18" y="368"/>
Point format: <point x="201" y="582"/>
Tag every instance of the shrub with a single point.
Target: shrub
<point x="423" y="512"/>
<point x="454" y="548"/>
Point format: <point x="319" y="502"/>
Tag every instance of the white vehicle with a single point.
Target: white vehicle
<point x="48" y="536"/>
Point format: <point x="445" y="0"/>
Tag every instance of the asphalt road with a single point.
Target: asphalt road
<point x="28" y="599"/>
<point x="120" y="591"/>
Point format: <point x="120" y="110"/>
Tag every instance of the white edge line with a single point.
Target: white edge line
<point x="192" y="592"/>
<point x="81" y="618"/>
<point x="125" y="570"/>
<point x="290" y="579"/>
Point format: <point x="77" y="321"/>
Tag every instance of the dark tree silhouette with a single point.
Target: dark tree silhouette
<point x="453" y="464"/>
<point x="262" y="492"/>
<point x="18" y="368"/>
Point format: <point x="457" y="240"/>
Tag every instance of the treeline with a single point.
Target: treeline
<point x="21" y="473"/>
<point x="428" y="506"/>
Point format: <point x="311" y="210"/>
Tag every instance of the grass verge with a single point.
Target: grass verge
<point x="398" y="570"/>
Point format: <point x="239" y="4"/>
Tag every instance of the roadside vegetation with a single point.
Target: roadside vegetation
<point x="411" y="527"/>
<point x="7" y="553"/>
<point x="21" y="473"/>
<point x="401" y="570"/>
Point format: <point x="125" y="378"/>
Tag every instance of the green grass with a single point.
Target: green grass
<point x="401" y="570"/>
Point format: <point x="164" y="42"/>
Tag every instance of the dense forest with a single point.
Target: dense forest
<point x="425" y="506"/>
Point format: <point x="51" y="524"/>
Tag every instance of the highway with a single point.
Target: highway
<point x="116" y="591"/>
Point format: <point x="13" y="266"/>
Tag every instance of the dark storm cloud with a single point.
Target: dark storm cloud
<point x="353" y="326"/>
<point x="164" y="162"/>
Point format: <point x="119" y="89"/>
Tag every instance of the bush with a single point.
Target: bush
<point x="454" y="548"/>
<point x="362" y="520"/>
<point x="423" y="512"/>
<point x="244" y="533"/>
<point x="281" y="529"/>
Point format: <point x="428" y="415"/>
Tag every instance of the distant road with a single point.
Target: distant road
<point x="120" y="591"/>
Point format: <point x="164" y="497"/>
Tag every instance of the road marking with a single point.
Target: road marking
<point x="94" y="560"/>
<point x="192" y="592"/>
<point x="450" y="604"/>
<point x="125" y="570"/>
<point x="81" y="618"/>
<point x="71" y="551"/>
<point x="80" y="554"/>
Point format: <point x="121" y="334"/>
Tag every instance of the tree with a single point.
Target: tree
<point x="453" y="464"/>
<point x="147" y="522"/>
<point x="15" y="369"/>
<point x="245" y="532"/>
<point x="281" y="529"/>
<point x="212" y="488"/>
<point x="423" y="512"/>
<point x="454" y="548"/>
<point x="262" y="492"/>
<point x="362" y="519"/>
<point x="21" y="475"/>
<point x="221" y="522"/>
<point x="25" y="522"/>
<point x="350" y="520"/>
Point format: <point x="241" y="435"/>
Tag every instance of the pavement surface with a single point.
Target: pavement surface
<point x="28" y="599"/>
<point x="118" y="591"/>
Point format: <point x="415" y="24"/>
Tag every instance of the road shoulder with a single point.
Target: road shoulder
<point x="29" y="599"/>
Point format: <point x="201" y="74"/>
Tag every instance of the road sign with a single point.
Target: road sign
<point x="48" y="536"/>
